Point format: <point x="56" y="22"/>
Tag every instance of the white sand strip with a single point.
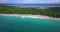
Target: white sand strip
<point x="30" y="16"/>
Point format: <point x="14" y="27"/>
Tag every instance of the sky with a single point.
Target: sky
<point x="30" y="1"/>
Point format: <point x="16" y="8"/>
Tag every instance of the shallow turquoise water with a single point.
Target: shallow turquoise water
<point x="18" y="24"/>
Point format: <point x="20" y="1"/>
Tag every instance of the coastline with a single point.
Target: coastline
<point x="30" y="15"/>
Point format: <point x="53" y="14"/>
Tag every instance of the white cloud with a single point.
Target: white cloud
<point x="2" y="1"/>
<point x="30" y="1"/>
<point x="40" y="1"/>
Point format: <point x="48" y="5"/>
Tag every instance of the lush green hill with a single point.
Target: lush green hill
<point x="53" y="11"/>
<point x="50" y="11"/>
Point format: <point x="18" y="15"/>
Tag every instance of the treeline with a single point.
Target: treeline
<point x="49" y="11"/>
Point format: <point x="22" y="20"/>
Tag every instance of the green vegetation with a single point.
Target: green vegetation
<point x="49" y="11"/>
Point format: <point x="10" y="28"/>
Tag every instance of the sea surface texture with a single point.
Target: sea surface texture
<point x="19" y="24"/>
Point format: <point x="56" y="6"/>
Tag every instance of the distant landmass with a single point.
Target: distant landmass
<point x="32" y="5"/>
<point x="57" y="4"/>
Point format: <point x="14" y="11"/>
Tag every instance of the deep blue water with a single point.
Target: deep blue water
<point x="18" y="24"/>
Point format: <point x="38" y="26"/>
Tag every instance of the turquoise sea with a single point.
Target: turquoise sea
<point x="18" y="24"/>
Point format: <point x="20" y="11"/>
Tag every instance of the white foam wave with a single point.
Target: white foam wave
<point x="34" y="17"/>
<point x="30" y="16"/>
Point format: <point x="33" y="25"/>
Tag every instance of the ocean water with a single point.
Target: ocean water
<point x="33" y="6"/>
<point x="27" y="6"/>
<point x="19" y="24"/>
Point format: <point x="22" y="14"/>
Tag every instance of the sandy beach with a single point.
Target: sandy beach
<point x="29" y="15"/>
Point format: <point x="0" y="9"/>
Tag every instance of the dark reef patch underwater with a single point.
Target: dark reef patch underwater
<point x="18" y="24"/>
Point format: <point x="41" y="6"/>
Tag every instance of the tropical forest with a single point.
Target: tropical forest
<point x="48" y="11"/>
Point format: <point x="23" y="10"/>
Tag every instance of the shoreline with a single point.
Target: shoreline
<point x="30" y="15"/>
